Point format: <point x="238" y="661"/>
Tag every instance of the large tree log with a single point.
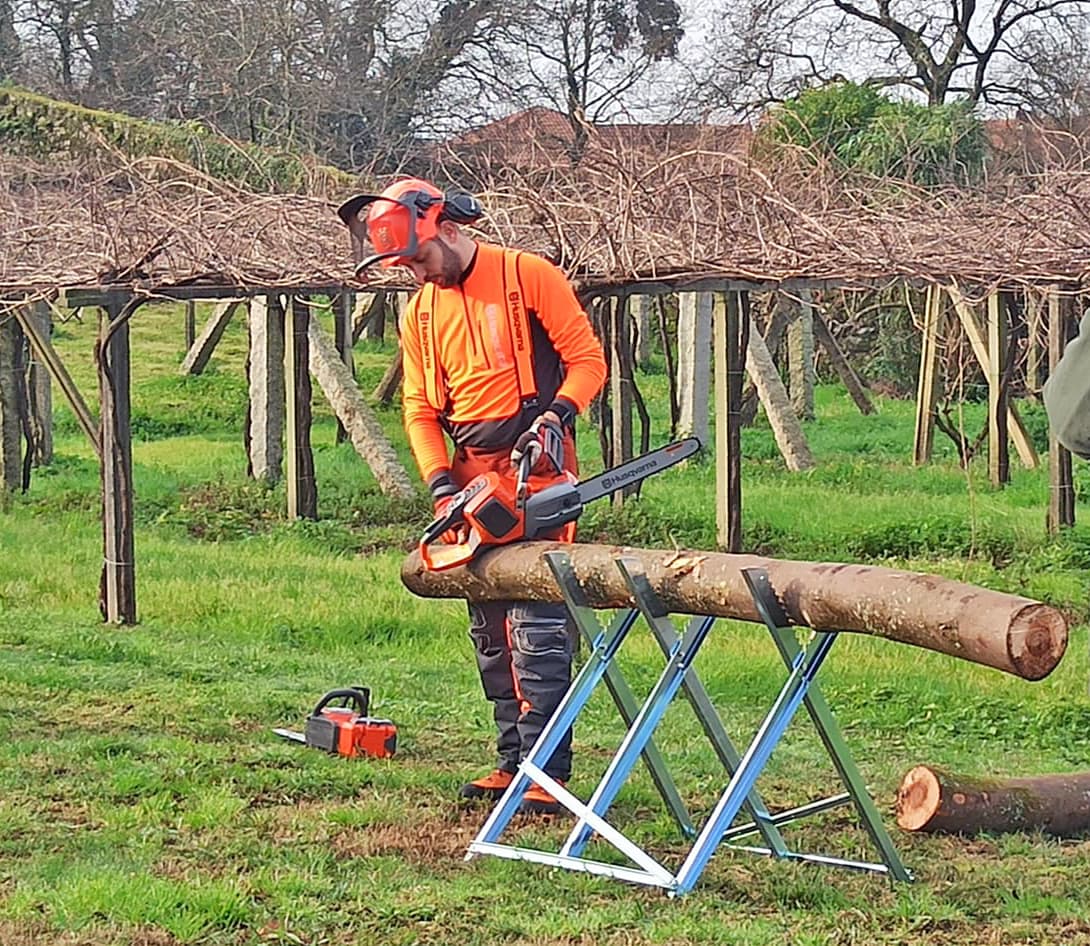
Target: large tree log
<point x="933" y="800"/>
<point x="1011" y="633"/>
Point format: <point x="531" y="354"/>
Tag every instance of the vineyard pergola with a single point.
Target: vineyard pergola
<point x="624" y="224"/>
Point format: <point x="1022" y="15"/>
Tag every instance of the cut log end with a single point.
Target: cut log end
<point x="918" y="798"/>
<point x="1037" y="640"/>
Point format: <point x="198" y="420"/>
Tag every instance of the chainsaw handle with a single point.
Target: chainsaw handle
<point x="360" y="697"/>
<point x="454" y="516"/>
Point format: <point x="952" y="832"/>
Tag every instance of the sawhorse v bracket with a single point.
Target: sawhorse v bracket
<point x="743" y="770"/>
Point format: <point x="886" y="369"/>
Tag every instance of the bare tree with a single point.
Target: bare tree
<point x="938" y="49"/>
<point x="9" y="41"/>
<point x="56" y="32"/>
<point x="1057" y="85"/>
<point x="353" y="81"/>
<point x="582" y="57"/>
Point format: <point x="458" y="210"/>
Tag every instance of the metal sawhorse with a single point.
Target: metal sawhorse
<point x="741" y="793"/>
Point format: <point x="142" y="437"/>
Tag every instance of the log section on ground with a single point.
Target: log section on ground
<point x="933" y="800"/>
<point x="1007" y="632"/>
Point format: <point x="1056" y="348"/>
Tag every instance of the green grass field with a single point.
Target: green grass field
<point x="144" y="800"/>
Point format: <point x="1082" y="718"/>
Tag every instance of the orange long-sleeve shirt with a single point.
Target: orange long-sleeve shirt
<point x="473" y="369"/>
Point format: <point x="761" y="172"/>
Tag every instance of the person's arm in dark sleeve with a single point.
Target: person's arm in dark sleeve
<point x="1067" y="394"/>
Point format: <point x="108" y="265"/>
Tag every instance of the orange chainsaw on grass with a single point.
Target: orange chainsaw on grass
<point x="341" y="724"/>
<point x="491" y="511"/>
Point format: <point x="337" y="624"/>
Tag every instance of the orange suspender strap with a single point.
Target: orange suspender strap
<point x="519" y="325"/>
<point x="429" y="360"/>
<point x="521" y="340"/>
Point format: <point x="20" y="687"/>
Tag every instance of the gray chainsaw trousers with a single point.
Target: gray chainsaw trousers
<point x="524" y="654"/>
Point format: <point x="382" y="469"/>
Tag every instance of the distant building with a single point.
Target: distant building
<point x="538" y="139"/>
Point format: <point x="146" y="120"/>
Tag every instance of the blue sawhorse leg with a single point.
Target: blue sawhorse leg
<point x="589" y="628"/>
<point x="658" y="618"/>
<point x="825" y="723"/>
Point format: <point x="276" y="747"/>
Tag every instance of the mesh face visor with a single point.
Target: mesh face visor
<point x="392" y="229"/>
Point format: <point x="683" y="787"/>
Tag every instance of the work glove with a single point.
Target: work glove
<point x="443" y="491"/>
<point x="456" y="534"/>
<point x="543" y="444"/>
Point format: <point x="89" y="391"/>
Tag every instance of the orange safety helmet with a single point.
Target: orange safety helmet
<point x="403" y="217"/>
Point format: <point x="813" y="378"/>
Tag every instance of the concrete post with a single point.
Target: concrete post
<point x="694" y="342"/>
<point x="266" y="452"/>
<point x="800" y="360"/>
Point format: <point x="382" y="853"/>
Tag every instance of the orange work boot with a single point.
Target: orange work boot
<point x="537" y="801"/>
<point x="492" y="785"/>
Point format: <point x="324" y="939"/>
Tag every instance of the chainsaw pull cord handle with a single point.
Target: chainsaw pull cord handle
<point x="359" y="697"/>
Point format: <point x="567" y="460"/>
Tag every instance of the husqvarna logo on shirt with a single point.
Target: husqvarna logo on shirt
<point x="425" y="339"/>
<point x="515" y="308"/>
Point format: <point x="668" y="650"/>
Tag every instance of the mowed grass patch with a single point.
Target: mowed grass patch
<point x="144" y="798"/>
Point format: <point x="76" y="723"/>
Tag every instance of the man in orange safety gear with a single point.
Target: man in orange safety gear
<point x="496" y="350"/>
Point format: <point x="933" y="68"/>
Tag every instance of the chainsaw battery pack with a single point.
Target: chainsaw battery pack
<point x="348" y="730"/>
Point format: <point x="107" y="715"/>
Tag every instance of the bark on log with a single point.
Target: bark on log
<point x="931" y="799"/>
<point x="1007" y="632"/>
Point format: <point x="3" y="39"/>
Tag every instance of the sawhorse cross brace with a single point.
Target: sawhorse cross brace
<point x="800" y="687"/>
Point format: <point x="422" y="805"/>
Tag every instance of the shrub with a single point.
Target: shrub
<point x="859" y="128"/>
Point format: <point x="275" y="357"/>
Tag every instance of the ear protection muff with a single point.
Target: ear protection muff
<point x="395" y="226"/>
<point x="461" y="207"/>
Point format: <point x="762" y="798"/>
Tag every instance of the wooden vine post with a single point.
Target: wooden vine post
<point x="855" y="385"/>
<point x="10" y="472"/>
<point x="117" y="598"/>
<point x="978" y="336"/>
<point x="1061" y="488"/>
<point x="40" y="387"/>
<point x="302" y="488"/>
<point x="343" y="304"/>
<point x="927" y="386"/>
<point x="999" y="464"/>
<point x="200" y="352"/>
<point x="620" y="387"/>
<point x="730" y="334"/>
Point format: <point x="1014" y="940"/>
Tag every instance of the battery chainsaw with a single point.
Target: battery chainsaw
<point x="346" y="728"/>
<point x="490" y="510"/>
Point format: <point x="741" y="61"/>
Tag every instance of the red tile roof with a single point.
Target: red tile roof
<point x="538" y="136"/>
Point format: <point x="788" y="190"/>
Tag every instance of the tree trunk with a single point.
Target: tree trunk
<point x="363" y="430"/>
<point x="1011" y="633"/>
<point x="930" y="799"/>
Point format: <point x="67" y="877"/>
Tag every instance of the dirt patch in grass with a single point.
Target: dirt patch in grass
<point x="943" y="933"/>
<point x="34" y="934"/>
<point x="439" y="837"/>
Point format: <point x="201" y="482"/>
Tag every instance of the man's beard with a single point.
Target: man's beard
<point x="450" y="272"/>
